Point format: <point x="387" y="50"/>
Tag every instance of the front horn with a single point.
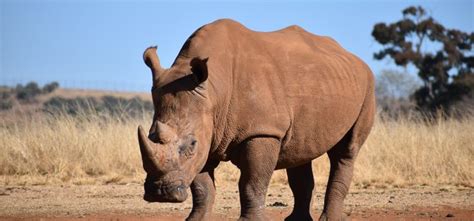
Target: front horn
<point x="153" y="156"/>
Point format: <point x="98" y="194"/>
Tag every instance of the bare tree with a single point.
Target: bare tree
<point x="393" y="90"/>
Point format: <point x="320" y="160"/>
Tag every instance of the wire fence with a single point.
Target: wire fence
<point x="108" y="85"/>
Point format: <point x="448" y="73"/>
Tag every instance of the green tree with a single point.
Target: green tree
<point x="447" y="73"/>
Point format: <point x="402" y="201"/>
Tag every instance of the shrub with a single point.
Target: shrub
<point x="133" y="107"/>
<point x="48" y="88"/>
<point x="72" y="106"/>
<point x="109" y="105"/>
<point x="6" y="102"/>
<point x="28" y="92"/>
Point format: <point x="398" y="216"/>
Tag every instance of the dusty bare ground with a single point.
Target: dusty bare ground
<point x="124" y="202"/>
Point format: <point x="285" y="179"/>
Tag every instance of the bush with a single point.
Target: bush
<point x="72" y="106"/>
<point x="6" y="102"/>
<point x="133" y="107"/>
<point x="48" y="88"/>
<point x="109" y="105"/>
<point x="27" y="93"/>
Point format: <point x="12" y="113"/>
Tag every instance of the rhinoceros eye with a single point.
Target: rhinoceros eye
<point x="187" y="149"/>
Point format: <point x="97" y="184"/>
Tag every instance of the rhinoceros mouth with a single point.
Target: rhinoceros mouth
<point x="165" y="192"/>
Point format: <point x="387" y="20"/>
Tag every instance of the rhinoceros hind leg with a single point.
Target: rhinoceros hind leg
<point x="301" y="182"/>
<point x="342" y="157"/>
<point x="340" y="176"/>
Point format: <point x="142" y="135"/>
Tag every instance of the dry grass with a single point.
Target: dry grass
<point x="419" y="152"/>
<point x="62" y="149"/>
<point x="83" y="149"/>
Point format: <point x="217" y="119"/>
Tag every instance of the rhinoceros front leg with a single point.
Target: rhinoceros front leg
<point x="257" y="160"/>
<point x="203" y="191"/>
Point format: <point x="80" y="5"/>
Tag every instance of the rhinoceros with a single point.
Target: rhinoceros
<point x="263" y="100"/>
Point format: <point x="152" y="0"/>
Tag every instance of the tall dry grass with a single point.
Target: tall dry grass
<point x="418" y="151"/>
<point x="44" y="149"/>
<point x="63" y="148"/>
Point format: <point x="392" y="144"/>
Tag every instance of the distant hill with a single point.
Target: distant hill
<point x="31" y="98"/>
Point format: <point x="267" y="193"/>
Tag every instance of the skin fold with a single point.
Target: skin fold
<point x="264" y="101"/>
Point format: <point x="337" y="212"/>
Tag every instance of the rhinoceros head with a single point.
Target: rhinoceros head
<point x="177" y="145"/>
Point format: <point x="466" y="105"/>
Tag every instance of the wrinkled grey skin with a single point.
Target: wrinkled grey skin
<point x="264" y="101"/>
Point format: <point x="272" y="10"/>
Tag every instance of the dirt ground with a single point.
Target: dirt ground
<point x="124" y="202"/>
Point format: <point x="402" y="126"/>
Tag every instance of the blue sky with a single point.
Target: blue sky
<point x="98" y="44"/>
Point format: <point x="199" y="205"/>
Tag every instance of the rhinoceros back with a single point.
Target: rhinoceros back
<point x="300" y="88"/>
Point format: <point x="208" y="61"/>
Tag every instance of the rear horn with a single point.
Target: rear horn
<point x="153" y="62"/>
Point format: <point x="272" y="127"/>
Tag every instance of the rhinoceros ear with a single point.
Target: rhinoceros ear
<point x="199" y="68"/>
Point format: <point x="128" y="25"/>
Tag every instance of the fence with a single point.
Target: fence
<point x="132" y="86"/>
